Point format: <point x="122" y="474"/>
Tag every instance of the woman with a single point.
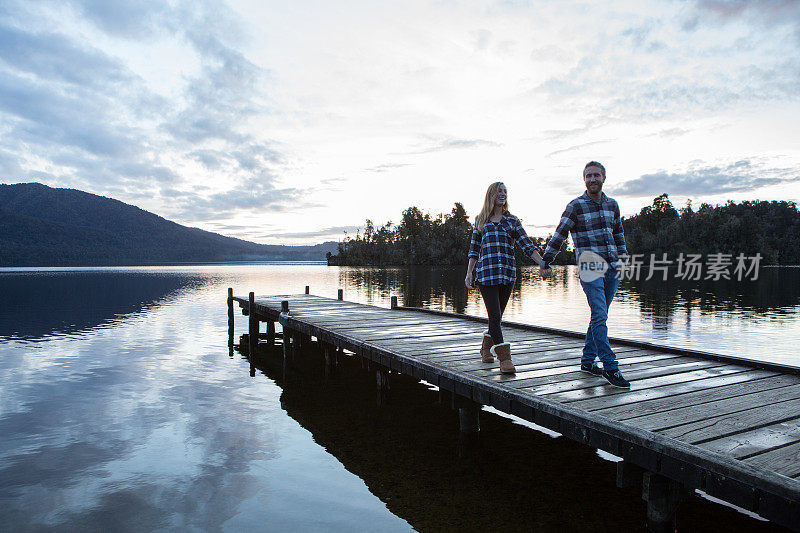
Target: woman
<point x="492" y="249"/>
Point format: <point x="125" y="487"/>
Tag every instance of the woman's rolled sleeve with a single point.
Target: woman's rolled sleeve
<point x="475" y="245"/>
<point x="524" y="241"/>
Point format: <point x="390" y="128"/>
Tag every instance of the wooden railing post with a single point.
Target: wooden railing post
<point x="230" y="317"/>
<point x="253" y="330"/>
<point x="287" y="337"/>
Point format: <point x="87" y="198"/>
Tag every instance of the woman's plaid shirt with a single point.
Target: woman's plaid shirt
<point x="595" y="226"/>
<point x="494" y="249"/>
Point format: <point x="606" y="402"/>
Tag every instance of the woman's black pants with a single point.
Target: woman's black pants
<point x="495" y="297"/>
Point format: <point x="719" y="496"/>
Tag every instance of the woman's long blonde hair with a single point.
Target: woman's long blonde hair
<point x="488" y="205"/>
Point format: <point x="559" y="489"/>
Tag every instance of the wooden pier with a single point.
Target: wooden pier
<point x="728" y="426"/>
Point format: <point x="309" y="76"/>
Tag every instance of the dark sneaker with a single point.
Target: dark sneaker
<point x="592" y="368"/>
<point x="615" y="378"/>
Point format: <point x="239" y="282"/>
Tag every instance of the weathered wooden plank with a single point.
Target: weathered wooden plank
<point x="390" y="323"/>
<point x="598" y="398"/>
<point x="470" y="359"/>
<point x="745" y="444"/>
<point x="633" y="372"/>
<point x="731" y="423"/>
<point x="573" y="362"/>
<point x="467" y="349"/>
<point x="682" y="414"/>
<point x="523" y="338"/>
<point x="417" y="333"/>
<point x="784" y="460"/>
<point x="638" y="408"/>
<point x="472" y="343"/>
<point x="590" y="385"/>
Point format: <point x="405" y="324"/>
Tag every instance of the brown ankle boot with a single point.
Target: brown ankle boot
<point x="503" y="354"/>
<point x="486" y="354"/>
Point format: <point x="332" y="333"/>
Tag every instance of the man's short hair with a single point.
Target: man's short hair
<point x="595" y="164"/>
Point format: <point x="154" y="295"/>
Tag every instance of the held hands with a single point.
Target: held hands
<point x="546" y="273"/>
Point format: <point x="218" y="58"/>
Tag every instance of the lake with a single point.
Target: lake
<point x="121" y="407"/>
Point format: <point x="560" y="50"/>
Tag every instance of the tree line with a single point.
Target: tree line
<point x="419" y="239"/>
<point x="750" y="227"/>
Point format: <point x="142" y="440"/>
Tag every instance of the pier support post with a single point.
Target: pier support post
<point x="469" y="417"/>
<point x="662" y="496"/>
<point x="331" y="361"/>
<point x="341" y="294"/>
<point x="296" y="340"/>
<point x="308" y="289"/>
<point x="287" y="348"/>
<point x="270" y="333"/>
<point x="382" y="380"/>
<point x="230" y="321"/>
<point x="394" y="302"/>
<point x="628" y="474"/>
<point x="253" y="332"/>
<point x="287" y="337"/>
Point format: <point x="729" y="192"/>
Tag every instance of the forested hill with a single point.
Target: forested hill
<point x="43" y="226"/>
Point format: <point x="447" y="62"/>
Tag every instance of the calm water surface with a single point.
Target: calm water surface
<point x="121" y="408"/>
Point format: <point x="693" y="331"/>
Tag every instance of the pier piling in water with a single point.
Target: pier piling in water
<point x="253" y="322"/>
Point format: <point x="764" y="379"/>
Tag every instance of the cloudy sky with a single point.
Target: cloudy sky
<point x="291" y="122"/>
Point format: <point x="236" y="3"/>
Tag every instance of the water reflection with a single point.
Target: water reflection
<point x="35" y="305"/>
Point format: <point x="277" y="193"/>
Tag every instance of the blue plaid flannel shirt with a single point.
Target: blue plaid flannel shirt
<point x="494" y="249"/>
<point x="595" y="226"/>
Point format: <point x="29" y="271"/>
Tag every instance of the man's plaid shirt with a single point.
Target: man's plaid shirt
<point x="595" y="226"/>
<point x="494" y="249"/>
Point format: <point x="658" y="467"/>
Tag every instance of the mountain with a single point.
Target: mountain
<point x="43" y="226"/>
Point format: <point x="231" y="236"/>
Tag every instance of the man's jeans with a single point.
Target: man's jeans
<point x="599" y="294"/>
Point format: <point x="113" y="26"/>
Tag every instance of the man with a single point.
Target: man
<point x="594" y="220"/>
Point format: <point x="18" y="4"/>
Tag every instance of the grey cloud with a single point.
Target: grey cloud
<point x="451" y="144"/>
<point x="386" y="167"/>
<point x="211" y="159"/>
<point x="578" y="147"/>
<point x="256" y="193"/>
<point x="332" y="232"/>
<point x="125" y="18"/>
<point x="560" y="134"/>
<point x="735" y="177"/>
<point x="773" y="11"/>
<point x="671" y="132"/>
<point x="49" y="116"/>
<point x="55" y="57"/>
<point x="644" y="99"/>
<point x="9" y="166"/>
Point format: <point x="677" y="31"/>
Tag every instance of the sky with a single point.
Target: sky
<point x="294" y="122"/>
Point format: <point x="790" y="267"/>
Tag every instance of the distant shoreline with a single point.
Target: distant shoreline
<point x="88" y="268"/>
<point x="162" y="265"/>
